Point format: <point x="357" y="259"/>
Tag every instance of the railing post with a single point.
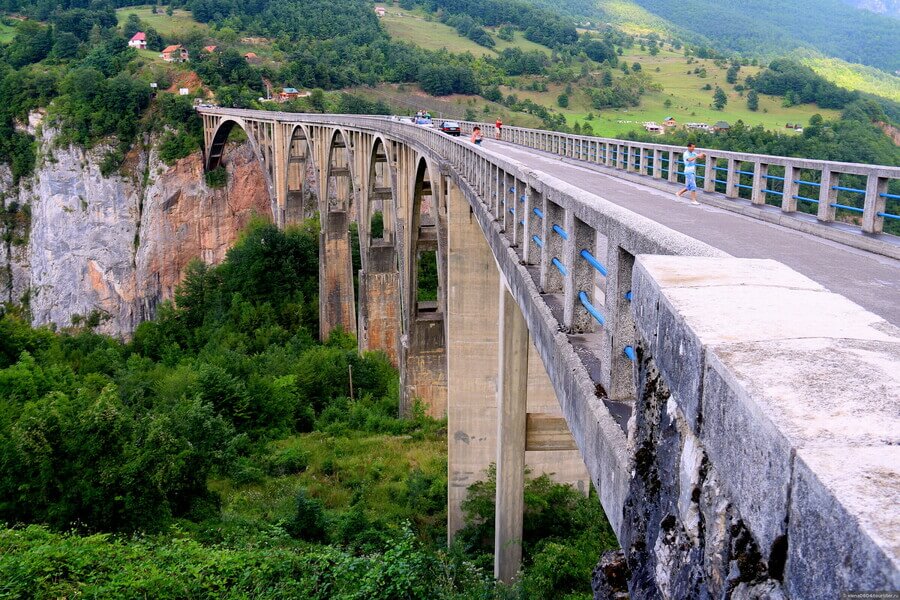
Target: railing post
<point x="709" y="173"/>
<point x="532" y="252"/>
<point x="642" y="161"/>
<point x="673" y="166"/>
<point x="790" y="189"/>
<point x="619" y="329"/>
<point x="608" y="152"/>
<point x="551" y="277"/>
<point x="576" y="318"/>
<point x="827" y="195"/>
<point x="731" y="187"/>
<point x="760" y="183"/>
<point x="875" y="203"/>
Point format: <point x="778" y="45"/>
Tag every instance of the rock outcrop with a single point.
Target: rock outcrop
<point x="114" y="247"/>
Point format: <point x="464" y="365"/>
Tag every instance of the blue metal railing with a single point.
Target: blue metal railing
<point x="560" y="231"/>
<point x="538" y="212"/>
<point x="629" y="352"/>
<point x="537" y="241"/>
<point x="593" y="262"/>
<point x="586" y="303"/>
<point x="560" y="267"/>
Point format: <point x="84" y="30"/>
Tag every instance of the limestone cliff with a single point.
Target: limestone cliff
<point x="116" y="246"/>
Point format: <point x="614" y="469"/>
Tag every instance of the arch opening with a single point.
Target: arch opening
<point x="426" y="284"/>
<point x="301" y="202"/>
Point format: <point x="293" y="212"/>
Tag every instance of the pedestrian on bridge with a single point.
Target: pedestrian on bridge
<point x="499" y="126"/>
<point x="476" y="136"/>
<point x="690" y="172"/>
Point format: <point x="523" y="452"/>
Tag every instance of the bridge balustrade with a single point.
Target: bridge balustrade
<point x="862" y="196"/>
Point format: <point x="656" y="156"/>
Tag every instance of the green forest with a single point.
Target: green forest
<point x="72" y="59"/>
<point x="222" y="453"/>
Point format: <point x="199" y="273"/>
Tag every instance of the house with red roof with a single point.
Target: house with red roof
<point x="138" y="40"/>
<point x="174" y="53"/>
<point x="210" y="49"/>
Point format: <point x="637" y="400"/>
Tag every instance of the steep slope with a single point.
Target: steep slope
<point x="771" y="27"/>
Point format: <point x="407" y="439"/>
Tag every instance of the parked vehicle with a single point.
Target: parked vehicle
<point x="451" y="128"/>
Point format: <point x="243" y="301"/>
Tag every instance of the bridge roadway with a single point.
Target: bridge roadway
<point x="870" y="280"/>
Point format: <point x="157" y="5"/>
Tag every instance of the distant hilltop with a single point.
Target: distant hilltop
<point x="882" y="7"/>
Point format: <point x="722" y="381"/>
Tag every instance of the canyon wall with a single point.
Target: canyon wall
<point x="77" y="244"/>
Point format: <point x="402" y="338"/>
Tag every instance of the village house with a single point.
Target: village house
<point x="654" y="128"/>
<point x="210" y="49"/>
<point x="138" y="40"/>
<point x="287" y="94"/>
<point x="252" y="58"/>
<point x="699" y="126"/>
<point x="174" y="53"/>
<point x="670" y="122"/>
<point x="721" y="126"/>
<point x="380" y="11"/>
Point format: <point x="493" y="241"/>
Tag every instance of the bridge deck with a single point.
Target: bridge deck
<point x="868" y="279"/>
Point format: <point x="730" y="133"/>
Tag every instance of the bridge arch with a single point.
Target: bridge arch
<point x="216" y="150"/>
<point x="381" y="324"/>
<point x="301" y="192"/>
<point x="339" y="178"/>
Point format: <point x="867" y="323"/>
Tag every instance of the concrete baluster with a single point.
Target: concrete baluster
<point x="673" y="166"/>
<point x="875" y="203"/>
<point x="576" y="318"/>
<point x="731" y="188"/>
<point x="760" y="183"/>
<point x="827" y="195"/>
<point x="790" y="188"/>
<point x="551" y="277"/>
<point x="710" y="174"/>
<point x="657" y="163"/>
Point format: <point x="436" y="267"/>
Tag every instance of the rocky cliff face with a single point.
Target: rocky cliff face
<point x="115" y="247"/>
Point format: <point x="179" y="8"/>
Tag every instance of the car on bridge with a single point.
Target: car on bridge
<point x="451" y="128"/>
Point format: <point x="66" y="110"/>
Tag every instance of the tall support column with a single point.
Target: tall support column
<point x="473" y="279"/>
<point x="280" y="171"/>
<point x="336" y="297"/>
<point x="512" y="400"/>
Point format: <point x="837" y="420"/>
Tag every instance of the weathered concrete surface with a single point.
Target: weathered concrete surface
<point x="425" y="376"/>
<point x="777" y="389"/>
<point x="379" y="323"/>
<point x="870" y="280"/>
<point x="337" y="306"/>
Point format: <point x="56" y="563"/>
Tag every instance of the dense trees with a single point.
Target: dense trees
<point x="785" y="76"/>
<point x="227" y="390"/>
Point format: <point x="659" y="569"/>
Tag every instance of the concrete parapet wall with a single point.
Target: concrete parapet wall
<point x="772" y="404"/>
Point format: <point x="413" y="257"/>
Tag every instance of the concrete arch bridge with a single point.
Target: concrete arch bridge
<point x="727" y="376"/>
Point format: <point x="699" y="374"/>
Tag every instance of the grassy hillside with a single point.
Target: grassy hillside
<point x="857" y="77"/>
<point x="7" y="33"/>
<point x="178" y="24"/>
<point x="689" y="102"/>
<point x="414" y="27"/>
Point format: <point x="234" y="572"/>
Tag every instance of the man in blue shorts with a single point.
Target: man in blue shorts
<point x="690" y="172"/>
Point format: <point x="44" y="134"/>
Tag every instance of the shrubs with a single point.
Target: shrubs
<point x="216" y="178"/>
<point x="308" y="522"/>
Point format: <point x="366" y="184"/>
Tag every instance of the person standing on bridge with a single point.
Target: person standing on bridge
<point x="690" y="172"/>
<point x="499" y="126"/>
<point x="476" y="136"/>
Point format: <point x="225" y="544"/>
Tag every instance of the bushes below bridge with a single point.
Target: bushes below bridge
<point x="221" y="453"/>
